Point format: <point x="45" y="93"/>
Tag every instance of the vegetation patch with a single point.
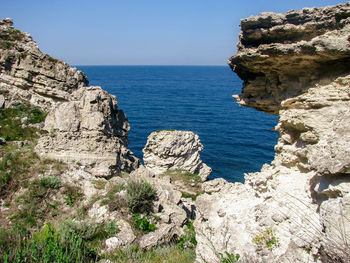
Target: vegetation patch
<point x="6" y="44"/>
<point x="99" y="184"/>
<point x="140" y="196"/>
<point x="266" y="239"/>
<point x="36" y="204"/>
<point x="48" y="245"/>
<point x="11" y="124"/>
<point x="188" y="239"/>
<point x="11" y="35"/>
<point x="4" y="91"/>
<point x="229" y="257"/>
<point x="170" y="254"/>
<point x="73" y="195"/>
<point x="53" y="182"/>
<point x="190" y="184"/>
<point x="53" y="60"/>
<point x="164" y="130"/>
<point x="142" y="224"/>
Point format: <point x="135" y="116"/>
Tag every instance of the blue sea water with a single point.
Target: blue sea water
<point x="196" y="98"/>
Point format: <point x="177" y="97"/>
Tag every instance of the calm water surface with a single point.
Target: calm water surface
<point x="195" y="98"/>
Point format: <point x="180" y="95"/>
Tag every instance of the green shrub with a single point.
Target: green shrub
<point x="6" y="44"/>
<point x="53" y="182"/>
<point x="74" y="195"/>
<point x="143" y="224"/>
<point x="229" y="257"/>
<point x="267" y="239"/>
<point x="169" y="253"/>
<point x="11" y="126"/>
<point x="48" y="245"/>
<point x="111" y="228"/>
<point x="4" y="91"/>
<point x="188" y="239"/>
<point x="140" y="196"/>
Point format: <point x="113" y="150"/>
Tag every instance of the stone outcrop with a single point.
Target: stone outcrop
<point x="297" y="209"/>
<point x="90" y="129"/>
<point x="166" y="150"/>
<point x="28" y="73"/>
<point x="83" y="123"/>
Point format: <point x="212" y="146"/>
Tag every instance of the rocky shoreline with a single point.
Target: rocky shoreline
<point x="296" y="209"/>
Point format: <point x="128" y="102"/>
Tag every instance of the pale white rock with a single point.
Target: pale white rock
<point x="112" y="243"/>
<point x="123" y="238"/>
<point x="164" y="234"/>
<point x="2" y="101"/>
<point x="168" y="203"/>
<point x="125" y="235"/>
<point x="91" y="130"/>
<point x="294" y="65"/>
<point x="167" y="150"/>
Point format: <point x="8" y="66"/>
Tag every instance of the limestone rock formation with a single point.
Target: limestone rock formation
<point x="295" y="65"/>
<point x="89" y="129"/>
<point x="28" y="73"/>
<point x="84" y="123"/>
<point x="168" y="149"/>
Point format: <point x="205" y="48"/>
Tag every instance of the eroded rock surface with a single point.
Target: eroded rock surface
<point x="167" y="150"/>
<point x="83" y="123"/>
<point x="89" y="129"/>
<point x="28" y="73"/>
<point x="294" y="65"/>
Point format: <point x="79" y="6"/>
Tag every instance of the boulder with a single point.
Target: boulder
<point x="167" y="150"/>
<point x="164" y="234"/>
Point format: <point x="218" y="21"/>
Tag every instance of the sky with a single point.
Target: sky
<point x="140" y="32"/>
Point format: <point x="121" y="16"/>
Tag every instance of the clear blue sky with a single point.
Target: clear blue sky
<point x="140" y="32"/>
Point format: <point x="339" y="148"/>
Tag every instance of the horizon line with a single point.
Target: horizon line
<point x="138" y="65"/>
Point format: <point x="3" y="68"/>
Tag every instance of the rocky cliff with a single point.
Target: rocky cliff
<point x="86" y="182"/>
<point x="297" y="209"/>
<point x="83" y="124"/>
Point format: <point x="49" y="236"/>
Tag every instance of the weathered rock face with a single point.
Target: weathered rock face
<point x="166" y="150"/>
<point x="84" y="123"/>
<point x="28" y="73"/>
<point x="89" y="129"/>
<point x="295" y="65"/>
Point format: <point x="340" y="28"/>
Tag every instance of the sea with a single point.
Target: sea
<point x="236" y="139"/>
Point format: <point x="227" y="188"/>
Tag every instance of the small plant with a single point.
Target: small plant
<point x="116" y="189"/>
<point x="53" y="60"/>
<point x="192" y="196"/>
<point x="111" y="228"/>
<point x="6" y="45"/>
<point x="99" y="184"/>
<point x="74" y="194"/>
<point x="188" y="240"/>
<point x="4" y="91"/>
<point x="229" y="257"/>
<point x="140" y="196"/>
<point x="267" y="239"/>
<point x="143" y="224"/>
<point x="53" y="182"/>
